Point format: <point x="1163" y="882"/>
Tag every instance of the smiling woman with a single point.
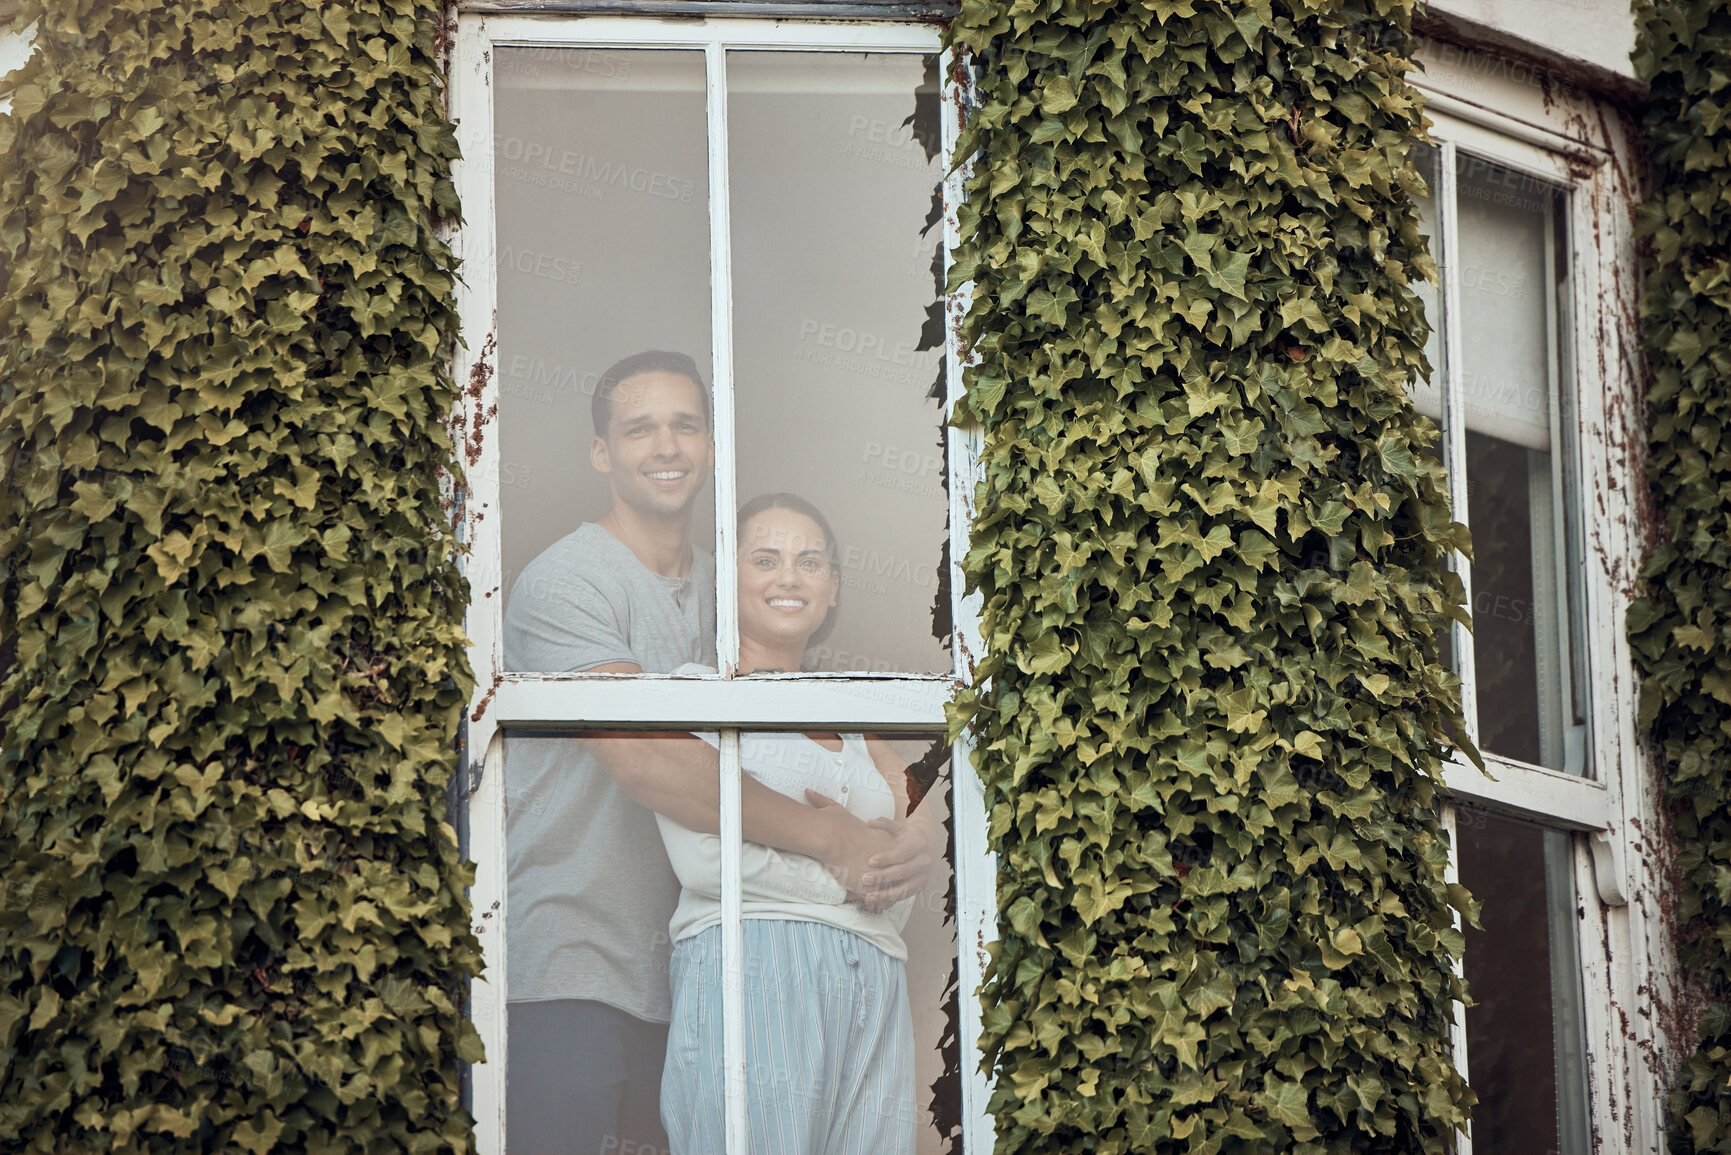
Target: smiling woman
<point x="789" y="581"/>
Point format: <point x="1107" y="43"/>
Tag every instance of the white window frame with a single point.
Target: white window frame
<point x="1571" y="142"/>
<point x="878" y="702"/>
<point x="1567" y="800"/>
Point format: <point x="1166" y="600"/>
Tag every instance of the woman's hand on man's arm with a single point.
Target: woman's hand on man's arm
<point x="904" y="867"/>
<point x="880" y="862"/>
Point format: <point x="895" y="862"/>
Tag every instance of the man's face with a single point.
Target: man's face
<point x="658" y="449"/>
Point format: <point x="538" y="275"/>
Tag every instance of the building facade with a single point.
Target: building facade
<point x="1150" y="383"/>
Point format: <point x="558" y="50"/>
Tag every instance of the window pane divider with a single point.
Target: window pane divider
<point x="729" y="32"/>
<point x="721" y="372"/>
<point x="851" y="704"/>
<point x="731" y="815"/>
<point x="727" y="9"/>
<point x="732" y="949"/>
<point x="1564" y="801"/>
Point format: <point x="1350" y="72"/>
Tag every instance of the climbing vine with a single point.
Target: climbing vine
<point x="232" y="909"/>
<point x="1211" y="546"/>
<point x="1680" y="628"/>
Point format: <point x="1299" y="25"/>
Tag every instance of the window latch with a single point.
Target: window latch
<point x="1608" y="867"/>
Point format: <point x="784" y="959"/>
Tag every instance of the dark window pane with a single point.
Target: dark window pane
<point x="1525" y="1046"/>
<point x="1500" y="507"/>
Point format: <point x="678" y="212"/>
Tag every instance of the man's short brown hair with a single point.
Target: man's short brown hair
<point x="649" y="361"/>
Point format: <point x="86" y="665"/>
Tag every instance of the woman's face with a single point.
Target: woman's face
<point x="786" y="582"/>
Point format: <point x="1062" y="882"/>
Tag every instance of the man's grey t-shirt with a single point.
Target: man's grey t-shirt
<point x="589" y="887"/>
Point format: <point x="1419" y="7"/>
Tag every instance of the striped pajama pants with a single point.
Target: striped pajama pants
<point x="828" y="1045"/>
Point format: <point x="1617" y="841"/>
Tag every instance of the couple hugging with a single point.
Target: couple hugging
<point x="615" y="1026"/>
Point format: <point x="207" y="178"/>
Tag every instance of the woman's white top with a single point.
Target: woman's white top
<point x="779" y="884"/>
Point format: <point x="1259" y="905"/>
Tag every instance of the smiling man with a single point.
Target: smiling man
<point x="653" y="442"/>
<point x="590" y="891"/>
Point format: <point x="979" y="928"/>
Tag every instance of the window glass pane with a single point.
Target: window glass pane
<point x="846" y="1001"/>
<point x="1501" y="479"/>
<point x="1505" y="317"/>
<point x="590" y="895"/>
<point x="601" y="160"/>
<point x="834" y="167"/>
<point x="1510" y="326"/>
<point x="1526" y="1056"/>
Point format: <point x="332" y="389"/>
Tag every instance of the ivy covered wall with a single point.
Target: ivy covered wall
<point x="1680" y="629"/>
<point x="1211" y="547"/>
<point x="232" y="911"/>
